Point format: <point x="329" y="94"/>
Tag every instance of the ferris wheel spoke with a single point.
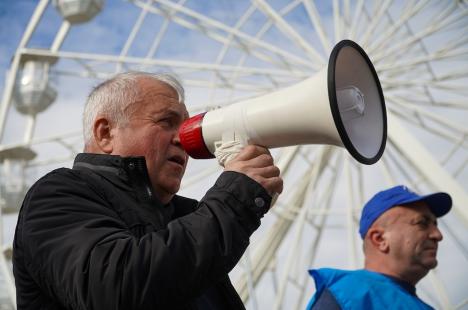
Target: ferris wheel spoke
<point x="215" y="35"/>
<point x="439" y="288"/>
<point x="324" y="204"/>
<point x="263" y="30"/>
<point x="289" y="32"/>
<point x="446" y="129"/>
<point x="399" y="163"/>
<point x="160" y="34"/>
<point x="440" y="55"/>
<point x="133" y="34"/>
<point x="314" y="16"/>
<point x="350" y="224"/>
<point x="362" y="186"/>
<point x="337" y="21"/>
<point x="376" y="18"/>
<point x="456" y="239"/>
<point x="387" y="37"/>
<point x="413" y="41"/>
<point x="437" y="85"/>
<point x="453" y="76"/>
<point x="387" y="172"/>
<point x="358" y="10"/>
<point x="82" y="58"/>
<point x="427" y="166"/>
<point x="222" y="53"/>
<point x="419" y="101"/>
<point x="433" y="27"/>
<point x="212" y="28"/>
<point x="450" y="156"/>
<point x="452" y="152"/>
<point x="269" y="244"/>
<point x="419" y="106"/>
<point x="309" y="181"/>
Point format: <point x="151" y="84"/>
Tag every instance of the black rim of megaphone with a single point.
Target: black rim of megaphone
<point x="334" y="103"/>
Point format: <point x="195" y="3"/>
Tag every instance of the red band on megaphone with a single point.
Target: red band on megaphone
<point x="191" y="138"/>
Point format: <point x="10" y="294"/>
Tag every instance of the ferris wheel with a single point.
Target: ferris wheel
<point x="227" y="51"/>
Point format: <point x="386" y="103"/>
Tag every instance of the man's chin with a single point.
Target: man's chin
<point x="430" y="263"/>
<point x="167" y="188"/>
<point x="172" y="187"/>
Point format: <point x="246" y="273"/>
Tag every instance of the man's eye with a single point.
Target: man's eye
<point x="165" y="121"/>
<point x="423" y="223"/>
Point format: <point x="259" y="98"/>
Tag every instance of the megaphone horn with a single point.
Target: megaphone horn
<point x="341" y="105"/>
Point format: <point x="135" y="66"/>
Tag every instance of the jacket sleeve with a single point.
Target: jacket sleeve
<point x="79" y="250"/>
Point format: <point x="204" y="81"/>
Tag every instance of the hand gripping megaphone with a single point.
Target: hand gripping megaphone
<point x="341" y="105"/>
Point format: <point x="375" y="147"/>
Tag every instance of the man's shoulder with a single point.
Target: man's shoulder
<point x="359" y="281"/>
<point x="52" y="176"/>
<point x="332" y="274"/>
<point x="55" y="184"/>
<point x="363" y="288"/>
<point x="60" y="176"/>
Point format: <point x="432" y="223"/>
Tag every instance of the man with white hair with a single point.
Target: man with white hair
<point x="400" y="234"/>
<point x="111" y="233"/>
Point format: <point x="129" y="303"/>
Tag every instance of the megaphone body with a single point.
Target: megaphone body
<point x="341" y="105"/>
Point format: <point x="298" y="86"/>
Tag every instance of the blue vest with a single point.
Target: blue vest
<point x="363" y="289"/>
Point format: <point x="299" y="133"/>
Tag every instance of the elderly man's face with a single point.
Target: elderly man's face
<point x="152" y="131"/>
<point x="413" y="237"/>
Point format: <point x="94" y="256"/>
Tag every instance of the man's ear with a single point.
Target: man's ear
<point x="102" y="131"/>
<point x="378" y="239"/>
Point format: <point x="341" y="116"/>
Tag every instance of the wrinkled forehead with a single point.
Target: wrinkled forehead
<point x="150" y="88"/>
<point x="158" y="95"/>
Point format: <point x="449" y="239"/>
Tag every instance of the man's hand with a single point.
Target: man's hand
<point x="257" y="163"/>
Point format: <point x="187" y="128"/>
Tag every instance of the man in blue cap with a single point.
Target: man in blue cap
<point x="400" y="235"/>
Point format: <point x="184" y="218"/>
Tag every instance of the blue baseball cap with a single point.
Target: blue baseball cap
<point x="439" y="204"/>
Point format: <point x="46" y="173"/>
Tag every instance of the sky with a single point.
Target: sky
<point x="107" y="33"/>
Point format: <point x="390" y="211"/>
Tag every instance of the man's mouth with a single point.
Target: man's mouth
<point x="177" y="159"/>
<point x="431" y="249"/>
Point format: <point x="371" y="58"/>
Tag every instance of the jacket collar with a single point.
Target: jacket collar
<point x="128" y="173"/>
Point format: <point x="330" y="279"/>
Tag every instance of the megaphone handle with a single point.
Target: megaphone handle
<point x="225" y="151"/>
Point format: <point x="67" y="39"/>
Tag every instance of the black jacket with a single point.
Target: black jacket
<point x="95" y="237"/>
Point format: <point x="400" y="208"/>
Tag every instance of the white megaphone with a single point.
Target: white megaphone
<point x="341" y="105"/>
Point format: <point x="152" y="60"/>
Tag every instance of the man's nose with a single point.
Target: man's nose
<point x="436" y="234"/>
<point x="175" y="137"/>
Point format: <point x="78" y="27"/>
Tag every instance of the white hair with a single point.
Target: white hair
<point x="113" y="96"/>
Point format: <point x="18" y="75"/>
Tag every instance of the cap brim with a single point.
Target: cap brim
<point x="439" y="203"/>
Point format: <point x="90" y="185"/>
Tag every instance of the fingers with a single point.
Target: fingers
<point x="270" y="171"/>
<point x="272" y="185"/>
<point x="251" y="151"/>
<point x="257" y="163"/>
<point x="251" y="156"/>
